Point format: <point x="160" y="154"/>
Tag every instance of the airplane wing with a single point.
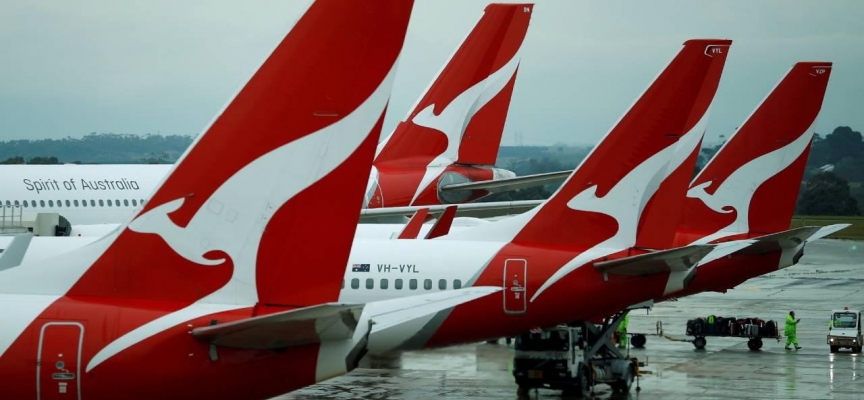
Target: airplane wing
<point x="331" y="321"/>
<point x="673" y="260"/>
<point x="506" y="185"/>
<point x="476" y="210"/>
<point x="14" y="253"/>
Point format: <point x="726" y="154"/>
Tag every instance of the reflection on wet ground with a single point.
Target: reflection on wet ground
<point x="830" y="276"/>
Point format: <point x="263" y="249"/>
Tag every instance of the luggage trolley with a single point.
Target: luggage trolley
<point x="755" y="329"/>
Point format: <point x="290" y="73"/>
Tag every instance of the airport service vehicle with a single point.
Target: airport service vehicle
<point x="844" y="331"/>
<point x="561" y="358"/>
<point x="451" y="135"/>
<point x="209" y="310"/>
<point x="754" y="329"/>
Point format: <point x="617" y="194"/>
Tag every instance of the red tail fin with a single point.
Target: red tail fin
<point x="235" y="220"/>
<point x="461" y="116"/>
<point x="751" y="184"/>
<point x="603" y="199"/>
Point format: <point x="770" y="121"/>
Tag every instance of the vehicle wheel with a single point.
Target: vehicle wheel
<point x="638" y="341"/>
<point x="834" y="349"/>
<point x="856" y="349"/>
<point x="523" y="391"/>
<point x="700" y="342"/>
<point x="759" y="343"/>
<point x="752" y="345"/>
<point x="623" y="385"/>
<point x="585" y="381"/>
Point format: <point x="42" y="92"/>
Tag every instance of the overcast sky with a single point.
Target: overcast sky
<point x="73" y="67"/>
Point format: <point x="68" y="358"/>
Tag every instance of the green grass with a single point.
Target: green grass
<point x="856" y="231"/>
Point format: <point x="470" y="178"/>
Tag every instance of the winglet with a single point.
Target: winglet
<point x="14" y="253"/>
<point x="412" y="228"/>
<point x="443" y="224"/>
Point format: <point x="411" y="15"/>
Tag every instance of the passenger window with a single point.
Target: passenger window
<point x="427" y="284"/>
<point x="67" y="203"/>
<point x="398" y="284"/>
<point x="370" y="283"/>
<point x="93" y="203"/>
<point x="50" y="203"/>
<point x="42" y="203"/>
<point x="442" y="284"/>
<point x="141" y="201"/>
<point x="8" y="203"/>
<point x="355" y="283"/>
<point x="109" y="202"/>
<point x="75" y="202"/>
<point x="412" y="284"/>
<point x="25" y="203"/>
<point x="457" y="284"/>
<point x="134" y="202"/>
<point x="16" y="203"/>
<point x="126" y="203"/>
<point x="83" y="203"/>
<point x="117" y="203"/>
<point x="384" y="284"/>
<point x="101" y="203"/>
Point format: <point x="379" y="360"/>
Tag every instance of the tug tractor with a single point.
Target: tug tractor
<point x="844" y="330"/>
<point x="572" y="359"/>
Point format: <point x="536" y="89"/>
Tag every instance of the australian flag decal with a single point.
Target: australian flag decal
<point x="360" y="268"/>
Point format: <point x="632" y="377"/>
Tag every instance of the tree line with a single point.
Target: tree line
<point x="833" y="182"/>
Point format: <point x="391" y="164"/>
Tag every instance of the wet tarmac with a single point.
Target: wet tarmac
<point x="829" y="276"/>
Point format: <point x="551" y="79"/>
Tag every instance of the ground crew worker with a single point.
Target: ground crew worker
<point x="791" y="330"/>
<point x="835" y="322"/>
<point x="622" y="332"/>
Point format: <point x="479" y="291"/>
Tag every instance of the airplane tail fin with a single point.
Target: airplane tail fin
<point x="751" y="185"/>
<point x="239" y="219"/>
<point x="603" y="199"/>
<point x="460" y="117"/>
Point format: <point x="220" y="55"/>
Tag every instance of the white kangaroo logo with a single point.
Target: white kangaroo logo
<point x="736" y="192"/>
<point x="454" y="119"/>
<point x="627" y="199"/>
<point x="234" y="217"/>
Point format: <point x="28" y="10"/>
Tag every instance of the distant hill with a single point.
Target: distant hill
<point x="833" y="182"/>
<point x="100" y="148"/>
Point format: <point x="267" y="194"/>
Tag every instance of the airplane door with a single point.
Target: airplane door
<point x="515" y="274"/>
<point x="58" y="361"/>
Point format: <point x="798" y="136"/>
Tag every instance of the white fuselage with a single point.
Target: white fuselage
<point x="83" y="194"/>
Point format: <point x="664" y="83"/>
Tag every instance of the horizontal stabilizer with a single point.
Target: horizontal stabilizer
<point x="14" y="253"/>
<point x="476" y="210"/>
<point x="782" y="240"/>
<point x="315" y="324"/>
<point x="724" y="249"/>
<point x="674" y="260"/>
<point x="389" y="313"/>
<point x="508" y="184"/>
<point x="827" y="230"/>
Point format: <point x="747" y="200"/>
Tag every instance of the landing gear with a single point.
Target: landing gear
<point x="638" y="340"/>
<point x="699" y="342"/>
<point x="755" y="344"/>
